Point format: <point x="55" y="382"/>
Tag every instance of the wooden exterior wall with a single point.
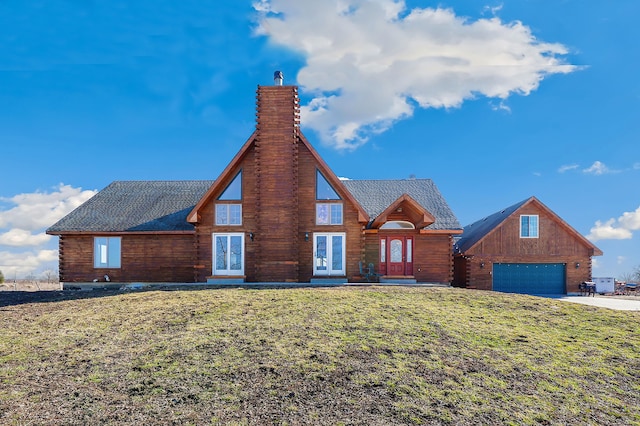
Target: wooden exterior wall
<point x="555" y="244"/>
<point x="278" y="201"/>
<point x="432" y="255"/>
<point x="433" y="259"/>
<point x="278" y="208"/>
<point x="145" y="258"/>
<point x="275" y="192"/>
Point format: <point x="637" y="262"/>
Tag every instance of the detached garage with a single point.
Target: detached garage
<point x="525" y="248"/>
<point x="529" y="278"/>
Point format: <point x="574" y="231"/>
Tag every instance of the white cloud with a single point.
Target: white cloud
<point x="567" y="168"/>
<point x="20" y="238"/>
<point x="39" y="210"/>
<point x="608" y="231"/>
<point x="597" y="168"/>
<point x="500" y="106"/>
<point x="616" y="229"/>
<point x="493" y="9"/>
<point x="369" y="63"/>
<point x="630" y="220"/>
<point x="621" y="260"/>
<point x="24" y="263"/>
<point x="23" y="224"/>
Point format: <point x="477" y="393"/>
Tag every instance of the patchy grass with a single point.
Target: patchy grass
<point x="372" y="356"/>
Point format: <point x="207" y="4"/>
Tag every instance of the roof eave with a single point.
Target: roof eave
<point x="193" y="216"/>
<point x="363" y="217"/>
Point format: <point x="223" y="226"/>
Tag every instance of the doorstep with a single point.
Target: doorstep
<point x="226" y="279"/>
<point x="399" y="279"/>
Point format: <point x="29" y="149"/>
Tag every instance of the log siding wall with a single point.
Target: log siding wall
<point x="555" y="244"/>
<point x="145" y="258"/>
<point x="278" y="201"/>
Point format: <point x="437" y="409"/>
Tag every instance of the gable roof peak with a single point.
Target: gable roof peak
<point x="475" y="232"/>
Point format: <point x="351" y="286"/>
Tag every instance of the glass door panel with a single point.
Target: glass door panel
<point x="329" y="254"/>
<point x="321" y="253"/>
<point x="228" y="254"/>
<point x="336" y="253"/>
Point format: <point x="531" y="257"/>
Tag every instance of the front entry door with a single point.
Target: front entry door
<point x="396" y="255"/>
<point x="228" y="254"/>
<point x="329" y="254"/>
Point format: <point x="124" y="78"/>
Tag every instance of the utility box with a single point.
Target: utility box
<point x="605" y="285"/>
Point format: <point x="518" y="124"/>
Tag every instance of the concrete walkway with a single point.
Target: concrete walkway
<point x="619" y="304"/>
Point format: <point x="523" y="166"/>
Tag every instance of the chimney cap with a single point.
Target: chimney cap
<point x="278" y="76"/>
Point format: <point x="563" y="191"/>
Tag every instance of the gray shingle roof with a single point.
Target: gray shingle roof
<point x="164" y="205"/>
<point x="476" y="231"/>
<point x="376" y="195"/>
<point x="136" y="206"/>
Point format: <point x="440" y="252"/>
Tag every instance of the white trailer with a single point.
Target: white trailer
<point x="605" y="285"/>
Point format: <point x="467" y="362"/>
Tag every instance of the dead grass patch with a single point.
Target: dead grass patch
<point x="373" y="356"/>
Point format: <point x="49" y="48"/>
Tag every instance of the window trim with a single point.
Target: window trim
<point x="235" y="184"/>
<point x="332" y="194"/>
<point x="329" y="214"/>
<point x="530" y="227"/>
<point x="227" y="207"/>
<point x="329" y="271"/>
<point x="113" y="255"/>
<point x="214" y="248"/>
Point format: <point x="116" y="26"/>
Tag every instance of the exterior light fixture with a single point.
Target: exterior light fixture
<point x="306" y="236"/>
<point x="577" y="265"/>
<point x="251" y="236"/>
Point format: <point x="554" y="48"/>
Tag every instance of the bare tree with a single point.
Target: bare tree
<point x="630" y="277"/>
<point x="627" y="277"/>
<point x="50" y="275"/>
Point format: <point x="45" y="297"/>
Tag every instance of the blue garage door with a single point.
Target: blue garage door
<point x="529" y="278"/>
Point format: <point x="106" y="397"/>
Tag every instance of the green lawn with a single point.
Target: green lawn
<point x="372" y="355"/>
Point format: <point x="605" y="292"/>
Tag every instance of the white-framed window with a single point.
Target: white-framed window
<point x="328" y="214"/>
<point x="529" y="226"/>
<point x="106" y="252"/>
<point x="228" y="214"/>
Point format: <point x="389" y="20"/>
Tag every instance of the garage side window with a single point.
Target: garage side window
<point x="529" y="226"/>
<point x="106" y="252"/>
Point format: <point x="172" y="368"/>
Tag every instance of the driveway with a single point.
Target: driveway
<point x="619" y="304"/>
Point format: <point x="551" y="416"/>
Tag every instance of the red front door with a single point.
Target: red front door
<point x="396" y="255"/>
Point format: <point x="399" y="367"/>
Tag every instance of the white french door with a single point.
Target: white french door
<point x="329" y="254"/>
<point x="228" y="254"/>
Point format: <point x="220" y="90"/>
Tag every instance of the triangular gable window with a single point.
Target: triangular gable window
<point x="324" y="190"/>
<point x="234" y="190"/>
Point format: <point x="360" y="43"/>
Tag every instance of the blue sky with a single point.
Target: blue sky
<point x="495" y="101"/>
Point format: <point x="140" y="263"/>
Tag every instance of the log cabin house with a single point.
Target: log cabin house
<point x="525" y="248"/>
<point x="277" y="213"/>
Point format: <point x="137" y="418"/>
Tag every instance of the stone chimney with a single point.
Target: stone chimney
<point x="276" y="161"/>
